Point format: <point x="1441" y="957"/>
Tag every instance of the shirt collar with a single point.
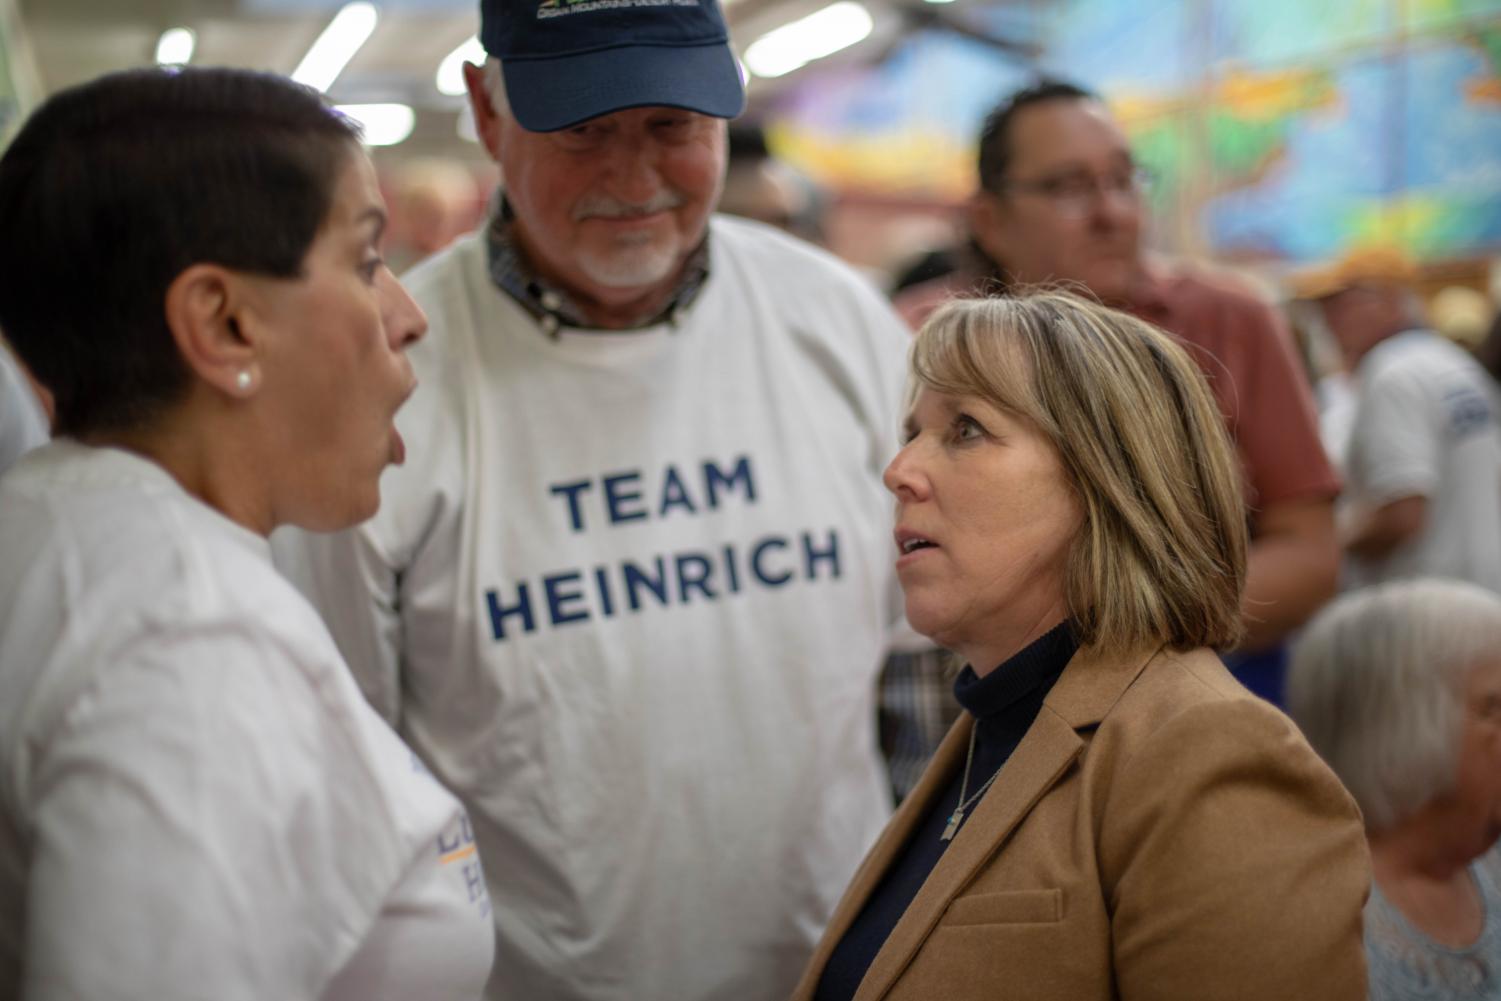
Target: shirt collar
<point x="72" y="462"/>
<point x="1037" y="664"/>
<point x="553" y="307"/>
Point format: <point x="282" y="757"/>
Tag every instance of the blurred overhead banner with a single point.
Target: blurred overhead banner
<point x="1279" y="130"/>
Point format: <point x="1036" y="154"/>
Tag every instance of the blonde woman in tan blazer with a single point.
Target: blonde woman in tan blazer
<point x="1113" y="816"/>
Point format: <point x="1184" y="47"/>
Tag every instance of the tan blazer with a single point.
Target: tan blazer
<point x="1159" y="835"/>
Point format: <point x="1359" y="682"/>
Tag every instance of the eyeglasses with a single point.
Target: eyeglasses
<point x="1073" y="192"/>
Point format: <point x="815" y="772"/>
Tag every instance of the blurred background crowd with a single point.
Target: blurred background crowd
<point x="1272" y="139"/>
<point x="1276" y="135"/>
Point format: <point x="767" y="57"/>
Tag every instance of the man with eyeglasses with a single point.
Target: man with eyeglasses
<point x="1061" y="201"/>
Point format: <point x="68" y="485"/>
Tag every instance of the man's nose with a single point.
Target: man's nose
<point x="634" y="169"/>
<point x="1113" y="206"/>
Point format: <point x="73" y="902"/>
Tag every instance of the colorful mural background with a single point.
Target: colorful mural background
<point x="10" y="99"/>
<point x="1278" y="130"/>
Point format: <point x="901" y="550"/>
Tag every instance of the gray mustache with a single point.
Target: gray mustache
<point x="604" y="207"/>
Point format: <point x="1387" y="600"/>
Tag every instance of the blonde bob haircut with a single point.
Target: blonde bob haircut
<point x="1160" y="559"/>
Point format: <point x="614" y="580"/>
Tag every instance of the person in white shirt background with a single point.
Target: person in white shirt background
<point x="1423" y="457"/>
<point x="195" y="801"/>
<point x="23" y="421"/>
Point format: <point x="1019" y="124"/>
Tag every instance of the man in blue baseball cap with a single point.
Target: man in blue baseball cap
<point x="567" y="61"/>
<point x="630" y="595"/>
<point x="571" y="90"/>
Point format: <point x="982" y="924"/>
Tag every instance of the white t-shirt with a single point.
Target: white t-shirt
<point x="1426" y="425"/>
<point x="23" y="425"/>
<point x="195" y="801"/>
<point x="629" y="598"/>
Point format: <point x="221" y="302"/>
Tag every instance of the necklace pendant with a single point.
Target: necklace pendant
<point x="953" y="828"/>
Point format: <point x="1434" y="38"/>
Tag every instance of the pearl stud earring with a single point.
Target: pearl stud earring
<point x="243" y="380"/>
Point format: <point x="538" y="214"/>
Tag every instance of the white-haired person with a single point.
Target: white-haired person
<point x="1399" y="688"/>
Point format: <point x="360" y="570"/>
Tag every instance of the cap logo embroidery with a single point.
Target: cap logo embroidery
<point x="562" y="8"/>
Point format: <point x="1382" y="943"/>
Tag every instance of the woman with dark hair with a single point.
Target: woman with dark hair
<point x="1114" y="816"/>
<point x="195" y="801"/>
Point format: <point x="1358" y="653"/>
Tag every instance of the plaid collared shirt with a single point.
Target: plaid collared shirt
<point x="553" y="307"/>
<point x="915" y="709"/>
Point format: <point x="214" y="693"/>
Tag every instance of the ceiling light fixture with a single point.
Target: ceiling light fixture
<point x="799" y="42"/>
<point x="450" y="77"/>
<point x="349" y="29"/>
<point x="383" y="124"/>
<point x="175" y="47"/>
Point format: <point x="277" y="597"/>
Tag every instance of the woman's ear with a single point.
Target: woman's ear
<point x="204" y="310"/>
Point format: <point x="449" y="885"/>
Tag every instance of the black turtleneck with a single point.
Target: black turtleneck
<point x="1004" y="703"/>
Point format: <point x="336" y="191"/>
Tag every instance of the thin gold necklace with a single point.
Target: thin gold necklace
<point x="957" y="817"/>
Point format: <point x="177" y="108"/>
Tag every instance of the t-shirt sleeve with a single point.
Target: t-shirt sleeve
<point x="1398" y="447"/>
<point x="203" y="826"/>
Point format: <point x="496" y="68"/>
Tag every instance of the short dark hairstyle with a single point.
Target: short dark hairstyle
<point x="995" y="139"/>
<point x="113" y="188"/>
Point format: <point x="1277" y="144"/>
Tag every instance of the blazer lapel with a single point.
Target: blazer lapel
<point x="1041" y="759"/>
<point x="884" y="852"/>
<point x="1082" y="696"/>
<point x="1091" y="685"/>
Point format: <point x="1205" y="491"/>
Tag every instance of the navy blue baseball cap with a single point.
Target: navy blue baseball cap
<point x="566" y="61"/>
